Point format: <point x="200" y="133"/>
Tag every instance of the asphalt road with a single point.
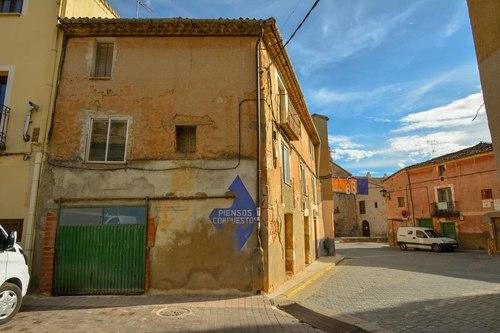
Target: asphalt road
<point x="389" y="290"/>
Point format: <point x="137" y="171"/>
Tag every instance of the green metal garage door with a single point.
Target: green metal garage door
<point x="448" y="230"/>
<point x="427" y="223"/>
<point x="100" y="251"/>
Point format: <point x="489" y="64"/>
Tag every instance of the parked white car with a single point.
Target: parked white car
<point x="424" y="238"/>
<point x="14" y="275"/>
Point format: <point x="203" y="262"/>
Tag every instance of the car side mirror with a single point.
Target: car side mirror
<point x="11" y="240"/>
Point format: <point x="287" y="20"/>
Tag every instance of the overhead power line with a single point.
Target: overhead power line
<point x="301" y="23"/>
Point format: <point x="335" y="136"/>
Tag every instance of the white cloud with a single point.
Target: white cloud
<point x="348" y="30"/>
<point x="457" y="114"/>
<point x="343" y="148"/>
<point x="416" y="93"/>
<point x="325" y="96"/>
<point x="342" y="142"/>
<point x="352" y="154"/>
<point x="454" y="24"/>
<point x="381" y="120"/>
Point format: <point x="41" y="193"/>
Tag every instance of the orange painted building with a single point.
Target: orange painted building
<point x="457" y="194"/>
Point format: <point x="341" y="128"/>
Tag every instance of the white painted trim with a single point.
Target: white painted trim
<point x="10" y="71"/>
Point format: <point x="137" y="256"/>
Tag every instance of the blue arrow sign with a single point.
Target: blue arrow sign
<point x="242" y="213"/>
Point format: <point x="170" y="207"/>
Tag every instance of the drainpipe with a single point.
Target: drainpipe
<point x="29" y="241"/>
<point x="411" y="198"/>
<point x="258" y="276"/>
<point x="259" y="171"/>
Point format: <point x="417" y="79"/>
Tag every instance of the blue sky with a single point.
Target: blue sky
<point x="397" y="78"/>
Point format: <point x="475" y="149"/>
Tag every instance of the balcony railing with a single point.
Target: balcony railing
<point x="290" y="123"/>
<point x="444" y="209"/>
<point x="4" y="118"/>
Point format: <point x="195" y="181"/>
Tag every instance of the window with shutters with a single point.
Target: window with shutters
<point x="103" y="59"/>
<point x="362" y="207"/>
<point x="186" y="139"/>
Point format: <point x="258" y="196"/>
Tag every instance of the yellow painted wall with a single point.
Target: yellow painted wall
<point x="29" y="57"/>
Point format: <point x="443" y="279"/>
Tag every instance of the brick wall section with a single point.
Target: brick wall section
<point x="150" y="242"/>
<point x="47" y="266"/>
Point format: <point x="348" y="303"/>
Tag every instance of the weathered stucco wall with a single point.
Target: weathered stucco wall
<point x="485" y="22"/>
<point x="156" y="84"/>
<point x="31" y="69"/>
<point x="292" y="221"/>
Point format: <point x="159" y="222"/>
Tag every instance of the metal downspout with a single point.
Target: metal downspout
<point x="37" y="167"/>
<point x="29" y="242"/>
<point x="411" y="198"/>
<point x="258" y="274"/>
<point x="259" y="171"/>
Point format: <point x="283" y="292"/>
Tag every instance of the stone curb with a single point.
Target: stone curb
<point x="300" y="285"/>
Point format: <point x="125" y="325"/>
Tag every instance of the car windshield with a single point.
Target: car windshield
<point x="432" y="233"/>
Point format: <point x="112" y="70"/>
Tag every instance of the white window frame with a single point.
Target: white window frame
<point x="7" y="71"/>
<point x="89" y="139"/>
<point x="24" y="9"/>
<point x="285" y="161"/>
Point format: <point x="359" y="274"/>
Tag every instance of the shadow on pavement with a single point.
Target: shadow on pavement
<point x="51" y="303"/>
<point x="471" y="265"/>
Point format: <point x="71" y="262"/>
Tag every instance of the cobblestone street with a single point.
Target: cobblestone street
<point x="414" y="291"/>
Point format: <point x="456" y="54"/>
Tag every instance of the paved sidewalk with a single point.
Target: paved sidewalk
<point x="169" y="312"/>
<point x="152" y="313"/>
<point x="298" y="282"/>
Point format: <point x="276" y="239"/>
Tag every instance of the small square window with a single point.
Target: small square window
<point x="108" y="140"/>
<point x="186" y="139"/>
<point x="11" y="6"/>
<point x="103" y="59"/>
<point x="362" y="207"/>
<point x="401" y="202"/>
<point x="486" y="194"/>
<point x="376" y="204"/>
<point x="441" y="170"/>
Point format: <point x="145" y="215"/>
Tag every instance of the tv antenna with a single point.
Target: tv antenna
<point x="433" y="150"/>
<point x="141" y="3"/>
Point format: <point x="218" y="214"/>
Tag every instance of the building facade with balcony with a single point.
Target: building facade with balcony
<point x="456" y="194"/>
<point x="188" y="146"/>
<point x="30" y="45"/>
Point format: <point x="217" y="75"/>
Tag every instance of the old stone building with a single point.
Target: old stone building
<point x="371" y="210"/>
<point x="345" y="212"/>
<point x="181" y="156"/>
<point x="456" y="194"/>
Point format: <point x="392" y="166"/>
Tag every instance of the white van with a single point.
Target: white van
<point x="14" y="275"/>
<point x="424" y="238"/>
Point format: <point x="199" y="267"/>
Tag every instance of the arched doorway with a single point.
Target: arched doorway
<point x="366" y="229"/>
